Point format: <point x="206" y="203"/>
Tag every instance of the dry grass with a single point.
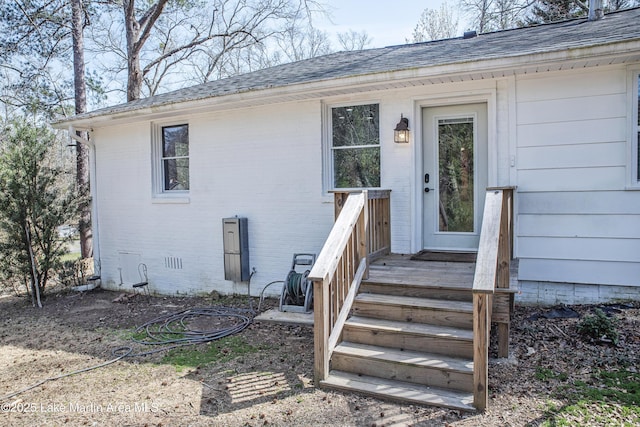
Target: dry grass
<point x="263" y="376"/>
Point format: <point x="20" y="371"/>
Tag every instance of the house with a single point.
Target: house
<point x="550" y="111"/>
<point x="554" y="107"/>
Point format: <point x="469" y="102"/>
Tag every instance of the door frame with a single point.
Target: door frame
<point x="445" y="100"/>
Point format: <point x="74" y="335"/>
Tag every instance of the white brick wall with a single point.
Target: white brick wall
<point x="262" y="164"/>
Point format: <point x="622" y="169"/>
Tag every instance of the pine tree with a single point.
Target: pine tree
<point x="35" y="200"/>
<point x="556" y="10"/>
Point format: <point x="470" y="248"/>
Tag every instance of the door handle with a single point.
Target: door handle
<point x="427" y="189"/>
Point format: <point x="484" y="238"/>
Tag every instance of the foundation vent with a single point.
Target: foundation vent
<point x="172" y="262"/>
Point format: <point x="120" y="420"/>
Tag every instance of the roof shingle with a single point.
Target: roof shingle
<point x="578" y="33"/>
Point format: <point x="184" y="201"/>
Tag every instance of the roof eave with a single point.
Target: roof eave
<point x="513" y="64"/>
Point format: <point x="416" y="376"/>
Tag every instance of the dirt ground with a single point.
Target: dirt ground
<point x="269" y="382"/>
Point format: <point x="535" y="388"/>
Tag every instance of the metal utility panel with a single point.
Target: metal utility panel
<point x="236" y="249"/>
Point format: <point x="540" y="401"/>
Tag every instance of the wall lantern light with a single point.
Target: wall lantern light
<point x="401" y="132"/>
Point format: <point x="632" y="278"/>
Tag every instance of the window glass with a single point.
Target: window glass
<point x="456" y="174"/>
<point x="355" y="146"/>
<point x="175" y="157"/>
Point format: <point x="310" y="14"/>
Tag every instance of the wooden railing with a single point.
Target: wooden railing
<point x="491" y="296"/>
<point x="379" y="234"/>
<point x="342" y="264"/>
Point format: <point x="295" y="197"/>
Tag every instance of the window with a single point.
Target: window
<point x="173" y="159"/>
<point x="355" y="146"/>
<point x="456" y="174"/>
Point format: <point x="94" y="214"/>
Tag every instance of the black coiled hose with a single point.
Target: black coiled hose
<point x="172" y="330"/>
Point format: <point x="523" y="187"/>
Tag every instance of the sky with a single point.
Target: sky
<point x="388" y="22"/>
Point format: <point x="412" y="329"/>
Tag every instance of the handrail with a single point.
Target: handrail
<point x="379" y="238"/>
<point x="343" y="263"/>
<point x="492" y="271"/>
<point x="484" y="279"/>
<point x="325" y="265"/>
<point x="334" y="275"/>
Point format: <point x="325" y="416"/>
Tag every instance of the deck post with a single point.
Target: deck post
<point x="363" y="234"/>
<point x="480" y="350"/>
<point x="339" y="199"/>
<point x="504" y="300"/>
<point x="505" y="252"/>
<point x="321" y="331"/>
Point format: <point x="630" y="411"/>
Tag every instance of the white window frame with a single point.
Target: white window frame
<point x="634" y="128"/>
<point x="328" y="149"/>
<point x="157" y="167"/>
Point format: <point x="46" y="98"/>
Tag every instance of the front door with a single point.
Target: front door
<point x="454" y="178"/>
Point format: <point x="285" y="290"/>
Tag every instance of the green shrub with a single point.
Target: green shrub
<point x="599" y="327"/>
<point x="36" y="197"/>
<point x="75" y="272"/>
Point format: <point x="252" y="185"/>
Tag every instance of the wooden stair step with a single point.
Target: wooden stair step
<point x="410" y="328"/>
<point x="411" y="309"/>
<point x="456" y="342"/>
<point x="411" y="366"/>
<point x="453" y="275"/>
<point x="402" y="261"/>
<point x="429" y="303"/>
<point x="441" y="283"/>
<point x="399" y="391"/>
<point x="449" y="282"/>
<point x="408" y="288"/>
<point x="417" y="358"/>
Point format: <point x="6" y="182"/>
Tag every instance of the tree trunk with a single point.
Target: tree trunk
<point x="137" y="34"/>
<point x="134" y="79"/>
<point x="82" y="151"/>
<point x="134" y="72"/>
<point x="35" y="283"/>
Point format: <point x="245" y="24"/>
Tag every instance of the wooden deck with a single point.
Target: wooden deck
<point x="400" y="268"/>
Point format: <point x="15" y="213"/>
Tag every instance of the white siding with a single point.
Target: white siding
<point x="603" y="155"/>
<point x="612" y="226"/>
<point x="577" y="224"/>
<point x="505" y="103"/>
<point x="575" y="132"/>
<point x="560" y="110"/>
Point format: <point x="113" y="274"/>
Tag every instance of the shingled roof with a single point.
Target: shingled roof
<point x="616" y="27"/>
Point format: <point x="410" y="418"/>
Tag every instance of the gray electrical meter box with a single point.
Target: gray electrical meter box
<point x="236" y="249"/>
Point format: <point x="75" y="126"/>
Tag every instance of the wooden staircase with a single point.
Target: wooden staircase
<point x="412" y="331"/>
<point x="410" y="337"/>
